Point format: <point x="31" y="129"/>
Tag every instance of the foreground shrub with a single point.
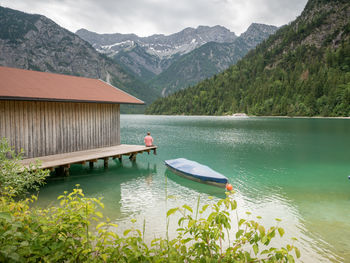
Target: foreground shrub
<point x="16" y="178"/>
<point x="63" y="234"/>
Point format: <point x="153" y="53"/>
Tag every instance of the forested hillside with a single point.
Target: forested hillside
<point x="209" y="59"/>
<point x="177" y="61"/>
<point x="301" y="70"/>
<point x="198" y="65"/>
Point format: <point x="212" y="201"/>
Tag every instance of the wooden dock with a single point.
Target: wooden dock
<point x="62" y="162"/>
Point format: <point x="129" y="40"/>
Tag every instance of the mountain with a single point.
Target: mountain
<point x="159" y="45"/>
<point x="301" y="70"/>
<point x="209" y="59"/>
<point x="149" y="56"/>
<point x="35" y="42"/>
<point x="170" y="63"/>
<point x="257" y="33"/>
<point x="199" y="64"/>
<point x="143" y="64"/>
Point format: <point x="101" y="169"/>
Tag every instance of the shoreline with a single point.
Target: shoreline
<point x="302" y="117"/>
<point x="246" y="116"/>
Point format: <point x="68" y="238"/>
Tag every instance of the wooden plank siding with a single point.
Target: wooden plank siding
<point x="47" y="128"/>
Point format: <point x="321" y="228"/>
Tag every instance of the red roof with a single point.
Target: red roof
<point x="20" y="84"/>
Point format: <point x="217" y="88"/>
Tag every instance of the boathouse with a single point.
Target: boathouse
<point x="48" y="114"/>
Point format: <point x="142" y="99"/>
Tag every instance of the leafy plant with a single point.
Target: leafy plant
<point x="63" y="234"/>
<point x="14" y="176"/>
<point x="203" y="238"/>
<point x="55" y="234"/>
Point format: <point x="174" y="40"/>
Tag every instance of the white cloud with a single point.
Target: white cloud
<point x="147" y="17"/>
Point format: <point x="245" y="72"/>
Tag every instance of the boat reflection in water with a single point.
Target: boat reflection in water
<point x="209" y="190"/>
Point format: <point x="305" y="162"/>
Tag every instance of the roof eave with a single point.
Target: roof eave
<point x="68" y="100"/>
<point x="122" y="91"/>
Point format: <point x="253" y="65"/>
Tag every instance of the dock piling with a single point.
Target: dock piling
<point x="133" y="157"/>
<point x="62" y="170"/>
<point x="105" y="162"/>
<point x="66" y="170"/>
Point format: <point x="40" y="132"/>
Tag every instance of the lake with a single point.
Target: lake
<point x="295" y="169"/>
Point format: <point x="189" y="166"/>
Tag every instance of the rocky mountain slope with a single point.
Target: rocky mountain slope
<point x="149" y="56"/>
<point x="176" y="61"/>
<point x="257" y="33"/>
<point x="209" y="59"/>
<point x="37" y="43"/>
<point x="159" y="45"/>
<point x="303" y="69"/>
<point x="201" y="63"/>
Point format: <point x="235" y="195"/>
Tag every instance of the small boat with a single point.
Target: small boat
<point x="196" y="172"/>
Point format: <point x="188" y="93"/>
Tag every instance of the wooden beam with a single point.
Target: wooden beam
<point x="133" y="157"/>
<point x="105" y="162"/>
<point x="66" y="170"/>
<point x="62" y="170"/>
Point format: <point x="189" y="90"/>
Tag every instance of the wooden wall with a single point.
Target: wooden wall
<point x="46" y="128"/>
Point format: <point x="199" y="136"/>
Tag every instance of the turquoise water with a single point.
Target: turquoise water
<point x="295" y="169"/>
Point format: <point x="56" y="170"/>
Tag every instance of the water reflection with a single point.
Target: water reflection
<point x="99" y="182"/>
<point x="197" y="187"/>
<point x="293" y="169"/>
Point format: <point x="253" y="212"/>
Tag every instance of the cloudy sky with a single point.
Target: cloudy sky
<point x="147" y="17"/>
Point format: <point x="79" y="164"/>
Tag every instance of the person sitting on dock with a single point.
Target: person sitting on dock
<point x="148" y="140"/>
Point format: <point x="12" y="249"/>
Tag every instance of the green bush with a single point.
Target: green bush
<point x="64" y="233"/>
<point x="14" y="176"/>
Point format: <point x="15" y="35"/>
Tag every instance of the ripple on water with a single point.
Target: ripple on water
<point x="293" y="169"/>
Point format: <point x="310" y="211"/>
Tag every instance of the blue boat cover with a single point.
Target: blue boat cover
<point x="196" y="170"/>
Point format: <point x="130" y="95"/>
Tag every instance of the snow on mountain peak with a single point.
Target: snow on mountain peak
<point x="160" y="45"/>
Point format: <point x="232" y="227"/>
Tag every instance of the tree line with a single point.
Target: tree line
<point x="285" y="75"/>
